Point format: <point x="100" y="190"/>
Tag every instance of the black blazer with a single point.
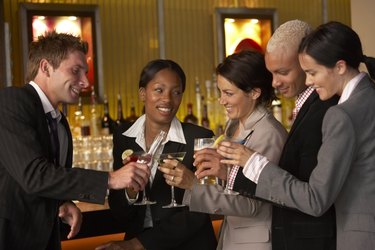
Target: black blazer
<point x="292" y="229"/>
<point x="173" y="228"/>
<point x="31" y="186"/>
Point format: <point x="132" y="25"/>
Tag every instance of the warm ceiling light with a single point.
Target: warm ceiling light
<point x="72" y="18"/>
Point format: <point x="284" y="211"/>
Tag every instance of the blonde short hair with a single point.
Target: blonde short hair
<point x="288" y="36"/>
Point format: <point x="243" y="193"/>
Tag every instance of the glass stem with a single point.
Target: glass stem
<point x="144" y="195"/>
<point x="172" y="194"/>
<point x="228" y="175"/>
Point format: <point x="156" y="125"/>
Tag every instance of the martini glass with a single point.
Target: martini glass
<point x="177" y="156"/>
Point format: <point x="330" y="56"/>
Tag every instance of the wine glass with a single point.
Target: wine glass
<point x="227" y="190"/>
<point x="141" y="157"/>
<point x="199" y="144"/>
<point x="146" y="159"/>
<point x="177" y="156"/>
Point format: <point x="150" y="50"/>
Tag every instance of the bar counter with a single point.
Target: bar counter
<point x="97" y="220"/>
<point x="99" y="227"/>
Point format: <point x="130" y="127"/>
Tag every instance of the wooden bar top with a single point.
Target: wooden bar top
<point x="90" y="207"/>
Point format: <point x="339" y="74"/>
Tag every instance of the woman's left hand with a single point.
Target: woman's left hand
<point x="234" y="153"/>
<point x="176" y="174"/>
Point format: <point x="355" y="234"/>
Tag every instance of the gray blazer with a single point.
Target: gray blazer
<point x="247" y="222"/>
<point x="344" y="175"/>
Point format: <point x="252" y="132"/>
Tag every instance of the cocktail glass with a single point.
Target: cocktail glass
<point x="177" y="156"/>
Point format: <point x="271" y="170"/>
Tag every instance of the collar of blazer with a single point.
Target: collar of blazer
<point x="302" y="112"/>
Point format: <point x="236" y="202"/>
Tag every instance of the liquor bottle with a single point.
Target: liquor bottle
<point x="95" y="127"/>
<point x="277" y="110"/>
<point x="205" y="120"/>
<point x="210" y="102"/>
<point x="76" y="126"/>
<point x="220" y="113"/>
<point x="120" y="117"/>
<point x="190" y="117"/>
<point x="198" y="98"/>
<point x="64" y="110"/>
<point x="107" y="122"/>
<point x="133" y="116"/>
<point x="287" y="108"/>
<point x="277" y="107"/>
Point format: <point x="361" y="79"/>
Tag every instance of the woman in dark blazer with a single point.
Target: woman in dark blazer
<point x="162" y="83"/>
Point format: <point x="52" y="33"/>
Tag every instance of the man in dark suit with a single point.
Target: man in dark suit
<point x="292" y="229"/>
<point x="36" y="178"/>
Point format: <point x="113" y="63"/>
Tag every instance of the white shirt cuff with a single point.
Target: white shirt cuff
<point x="254" y="166"/>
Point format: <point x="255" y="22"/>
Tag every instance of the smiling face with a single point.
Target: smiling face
<point x="162" y="97"/>
<point x="64" y="83"/>
<point x="325" y="81"/>
<point x="287" y="76"/>
<point x="237" y="103"/>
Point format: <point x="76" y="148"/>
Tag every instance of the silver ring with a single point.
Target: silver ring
<point x="172" y="179"/>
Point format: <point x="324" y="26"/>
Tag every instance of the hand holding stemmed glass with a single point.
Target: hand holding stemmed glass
<point x="140" y="157"/>
<point x="146" y="158"/>
<point x="235" y="154"/>
<point x="227" y="190"/>
<point x="177" y="174"/>
<point x="170" y="161"/>
<point x="219" y="163"/>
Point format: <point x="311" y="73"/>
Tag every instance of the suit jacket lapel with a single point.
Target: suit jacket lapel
<point x="301" y="114"/>
<point x="42" y="125"/>
<point x="68" y="162"/>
